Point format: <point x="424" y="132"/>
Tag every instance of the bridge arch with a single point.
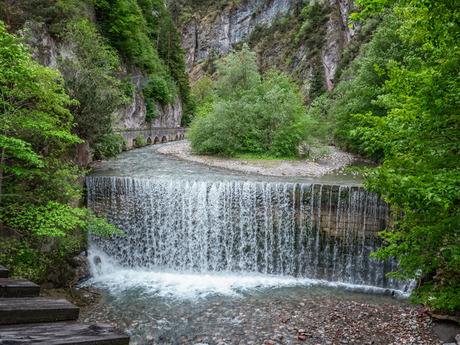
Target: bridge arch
<point x="149" y="140"/>
<point x="156" y="140"/>
<point x="164" y="139"/>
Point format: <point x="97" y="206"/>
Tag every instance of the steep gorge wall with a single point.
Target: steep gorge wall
<point x="49" y="51"/>
<point x="217" y="31"/>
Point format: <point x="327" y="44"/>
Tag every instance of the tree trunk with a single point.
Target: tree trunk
<point x="8" y="23"/>
<point x="2" y="160"/>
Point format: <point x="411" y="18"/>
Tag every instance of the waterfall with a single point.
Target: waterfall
<point x="276" y="228"/>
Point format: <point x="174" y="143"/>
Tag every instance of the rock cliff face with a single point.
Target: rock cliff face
<point x="48" y="51"/>
<point x="133" y="115"/>
<point x="206" y="35"/>
<point x="337" y="37"/>
<point x="215" y="33"/>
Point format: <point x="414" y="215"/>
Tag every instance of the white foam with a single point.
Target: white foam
<point x="191" y="286"/>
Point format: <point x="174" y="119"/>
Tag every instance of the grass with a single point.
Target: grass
<point x="265" y="157"/>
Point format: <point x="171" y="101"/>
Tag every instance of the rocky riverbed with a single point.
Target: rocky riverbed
<point x="287" y="317"/>
<point x="336" y="159"/>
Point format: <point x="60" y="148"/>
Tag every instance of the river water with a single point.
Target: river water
<point x="217" y="257"/>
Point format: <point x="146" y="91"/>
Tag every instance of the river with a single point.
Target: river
<point x="218" y="257"/>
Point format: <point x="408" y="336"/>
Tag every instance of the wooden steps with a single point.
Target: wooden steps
<point x="26" y="318"/>
<point x="4" y="272"/>
<point x="62" y="333"/>
<point x="18" y="288"/>
<point x="27" y="310"/>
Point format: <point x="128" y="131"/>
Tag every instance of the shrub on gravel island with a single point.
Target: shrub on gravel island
<point x="248" y="113"/>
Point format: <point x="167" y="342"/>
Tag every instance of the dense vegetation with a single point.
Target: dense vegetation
<point x="46" y="114"/>
<point x="420" y="139"/>
<point x="246" y="114"/>
<point x="399" y="103"/>
<point x="37" y="179"/>
<point x="144" y="33"/>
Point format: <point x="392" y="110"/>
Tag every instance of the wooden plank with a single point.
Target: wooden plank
<point x="18" y="288"/>
<point x="39" y="309"/>
<point x="4" y="272"/>
<point x="62" y="333"/>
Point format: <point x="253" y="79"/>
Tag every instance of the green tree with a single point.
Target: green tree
<point x="362" y="83"/>
<point x="248" y="115"/>
<point x="144" y="33"/>
<point x="420" y="139"/>
<point x="91" y="79"/>
<point x="37" y="180"/>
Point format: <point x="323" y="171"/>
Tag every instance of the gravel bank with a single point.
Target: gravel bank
<point x="336" y="160"/>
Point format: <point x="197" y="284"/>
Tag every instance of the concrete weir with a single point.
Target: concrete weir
<point x="292" y="229"/>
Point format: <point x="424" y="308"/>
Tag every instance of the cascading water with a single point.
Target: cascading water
<point x="217" y="257"/>
<point x="225" y="227"/>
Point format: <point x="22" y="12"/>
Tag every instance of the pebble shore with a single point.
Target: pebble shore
<point x="335" y="160"/>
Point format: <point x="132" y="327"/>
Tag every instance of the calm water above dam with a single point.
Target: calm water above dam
<point x="197" y="235"/>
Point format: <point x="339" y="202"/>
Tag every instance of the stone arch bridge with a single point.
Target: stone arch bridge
<point x="153" y="135"/>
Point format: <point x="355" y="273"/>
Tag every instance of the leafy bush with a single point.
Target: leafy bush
<point x="159" y="89"/>
<point x="362" y="84"/>
<point x="248" y="115"/>
<point x="109" y="146"/>
<point x="139" y="142"/>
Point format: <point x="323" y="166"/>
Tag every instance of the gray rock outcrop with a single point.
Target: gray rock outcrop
<point x="215" y="33"/>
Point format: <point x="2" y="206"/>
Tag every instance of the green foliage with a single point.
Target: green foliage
<point x="23" y="260"/>
<point x="248" y="115"/>
<point x="139" y="142"/>
<point x="202" y="90"/>
<point x="128" y="89"/>
<point x="320" y="129"/>
<point x="159" y="89"/>
<point x="37" y="182"/>
<point x="420" y="139"/>
<point x="303" y="30"/>
<point x="109" y="146"/>
<point x="316" y="82"/>
<point x="362" y="84"/>
<point x="34" y="115"/>
<point x="239" y="73"/>
<point x="312" y="34"/>
<point x="52" y="14"/>
<point x="143" y="31"/>
<point x="312" y="29"/>
<point x="354" y="47"/>
<point x="91" y="79"/>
